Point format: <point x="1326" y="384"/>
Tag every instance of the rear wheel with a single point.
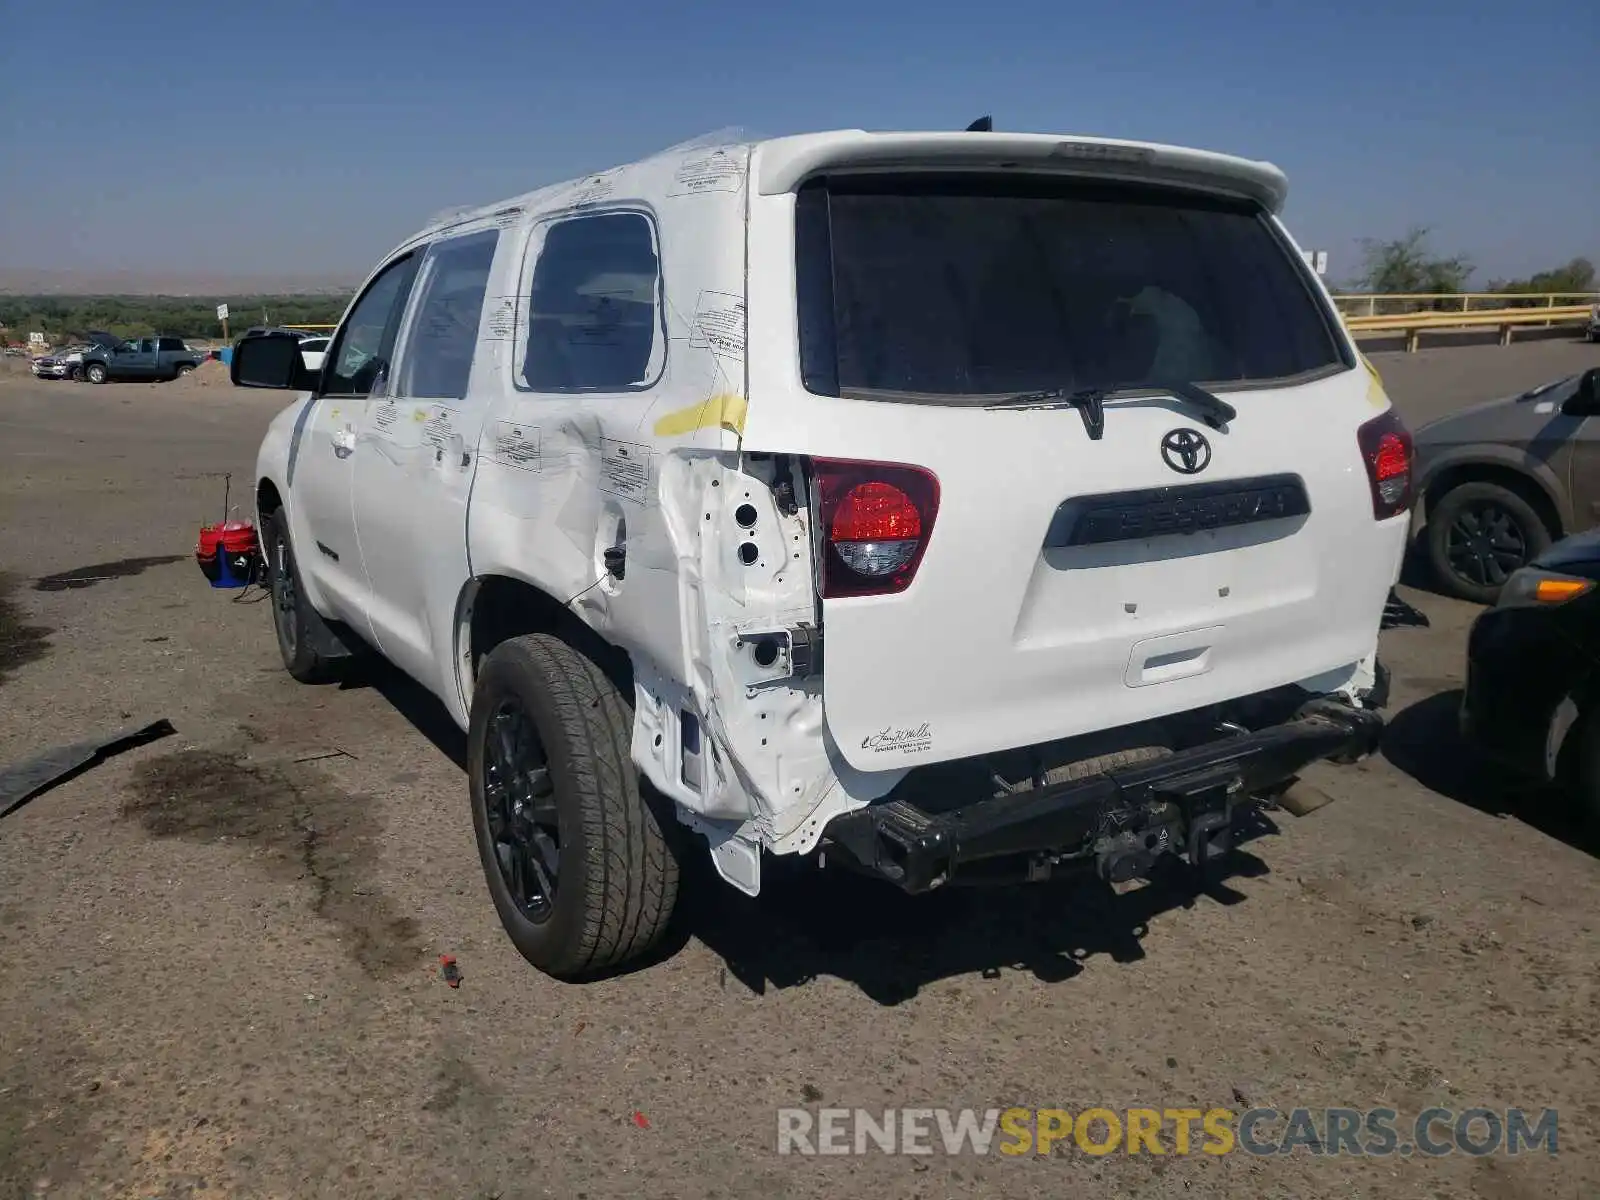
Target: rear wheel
<point x="579" y="863"/>
<point x="1478" y="534"/>
<point x="185" y="369"/>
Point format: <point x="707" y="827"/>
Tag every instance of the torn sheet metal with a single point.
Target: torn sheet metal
<point x="21" y="782"/>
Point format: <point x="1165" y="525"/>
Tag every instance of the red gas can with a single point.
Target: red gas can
<point x="228" y="553"/>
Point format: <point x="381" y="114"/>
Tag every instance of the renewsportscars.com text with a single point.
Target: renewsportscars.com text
<point x="1374" y="1132"/>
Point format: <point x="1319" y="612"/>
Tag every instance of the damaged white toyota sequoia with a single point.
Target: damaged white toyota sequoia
<point x="951" y="507"/>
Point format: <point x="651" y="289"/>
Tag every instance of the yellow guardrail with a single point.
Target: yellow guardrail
<point x="1368" y="303"/>
<point x="1412" y="324"/>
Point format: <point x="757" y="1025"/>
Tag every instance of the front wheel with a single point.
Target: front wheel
<point x="293" y="619"/>
<point x="1583" y="781"/>
<point x="1478" y="534"/>
<point x="96" y="373"/>
<point x="75" y="374"/>
<point x="581" y="866"/>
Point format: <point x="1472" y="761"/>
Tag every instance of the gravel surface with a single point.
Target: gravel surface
<point x="222" y="950"/>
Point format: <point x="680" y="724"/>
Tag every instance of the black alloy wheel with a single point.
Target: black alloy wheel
<point x="521" y="802"/>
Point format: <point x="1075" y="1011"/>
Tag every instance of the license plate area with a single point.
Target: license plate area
<point x="1180" y="508"/>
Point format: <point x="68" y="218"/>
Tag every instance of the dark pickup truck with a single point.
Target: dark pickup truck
<point x="139" y="358"/>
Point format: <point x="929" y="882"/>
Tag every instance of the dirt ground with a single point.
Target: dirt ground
<point x="222" y="950"/>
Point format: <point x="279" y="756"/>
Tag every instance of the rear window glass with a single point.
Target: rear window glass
<point x="979" y="287"/>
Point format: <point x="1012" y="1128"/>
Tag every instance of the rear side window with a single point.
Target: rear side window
<point x="437" y="360"/>
<point x="171" y="344"/>
<point x="975" y="287"/>
<point x="593" y="313"/>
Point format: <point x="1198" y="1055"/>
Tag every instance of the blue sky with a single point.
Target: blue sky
<point x="296" y="137"/>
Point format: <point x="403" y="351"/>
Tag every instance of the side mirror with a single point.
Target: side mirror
<point x="271" y="361"/>
<point x="1585" y="402"/>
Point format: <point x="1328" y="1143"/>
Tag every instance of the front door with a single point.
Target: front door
<point x="136" y="360"/>
<point x="356" y="374"/>
<point x="414" y="460"/>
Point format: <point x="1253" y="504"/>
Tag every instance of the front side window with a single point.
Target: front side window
<point x="437" y="360"/>
<point x="359" y="362"/>
<point x="950" y="289"/>
<point x="593" y="317"/>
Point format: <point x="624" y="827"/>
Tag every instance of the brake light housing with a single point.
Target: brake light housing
<point x="874" y="521"/>
<point x="1389" y="455"/>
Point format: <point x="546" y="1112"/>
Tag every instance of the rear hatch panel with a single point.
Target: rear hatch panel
<point x="1010" y="635"/>
<point x="1070" y="584"/>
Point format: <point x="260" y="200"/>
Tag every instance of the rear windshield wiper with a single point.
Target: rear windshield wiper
<point x="1091" y="402"/>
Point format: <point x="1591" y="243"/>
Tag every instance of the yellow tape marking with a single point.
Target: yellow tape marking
<point x="722" y="411"/>
<point x="1376" y="395"/>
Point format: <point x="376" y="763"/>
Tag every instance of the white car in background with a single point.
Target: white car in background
<point x="312" y="351"/>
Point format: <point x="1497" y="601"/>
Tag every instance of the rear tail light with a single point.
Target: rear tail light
<point x="875" y="520"/>
<point x="1387" y="450"/>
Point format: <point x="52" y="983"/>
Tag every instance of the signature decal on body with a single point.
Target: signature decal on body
<point x="916" y="740"/>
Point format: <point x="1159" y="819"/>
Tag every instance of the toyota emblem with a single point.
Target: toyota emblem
<point x="1186" y="451"/>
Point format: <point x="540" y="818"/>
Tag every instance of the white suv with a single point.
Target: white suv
<point x="953" y="507"/>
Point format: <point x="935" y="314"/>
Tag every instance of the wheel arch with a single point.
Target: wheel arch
<point x="268" y="496"/>
<point x="268" y="499"/>
<point x="494" y="608"/>
<point x="1535" y="490"/>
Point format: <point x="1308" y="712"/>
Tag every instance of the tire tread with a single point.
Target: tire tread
<point x="630" y="879"/>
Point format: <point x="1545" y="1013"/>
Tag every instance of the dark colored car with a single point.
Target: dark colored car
<point x="1499" y="482"/>
<point x="1532" y="698"/>
<point x="149" y="358"/>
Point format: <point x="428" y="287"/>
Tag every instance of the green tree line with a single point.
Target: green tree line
<point x="62" y="318"/>
<point x="1409" y="265"/>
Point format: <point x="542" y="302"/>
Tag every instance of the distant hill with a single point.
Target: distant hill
<point x="33" y="281"/>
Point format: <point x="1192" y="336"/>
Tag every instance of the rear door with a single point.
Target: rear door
<point x="172" y="354"/>
<point x="1057" y="578"/>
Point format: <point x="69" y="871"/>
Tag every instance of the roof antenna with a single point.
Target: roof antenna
<point x="982" y="125"/>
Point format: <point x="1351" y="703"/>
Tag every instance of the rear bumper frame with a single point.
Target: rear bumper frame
<point x="1118" y="823"/>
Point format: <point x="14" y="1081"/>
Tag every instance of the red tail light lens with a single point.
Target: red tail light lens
<point x="875" y="520"/>
<point x="1387" y="450"/>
